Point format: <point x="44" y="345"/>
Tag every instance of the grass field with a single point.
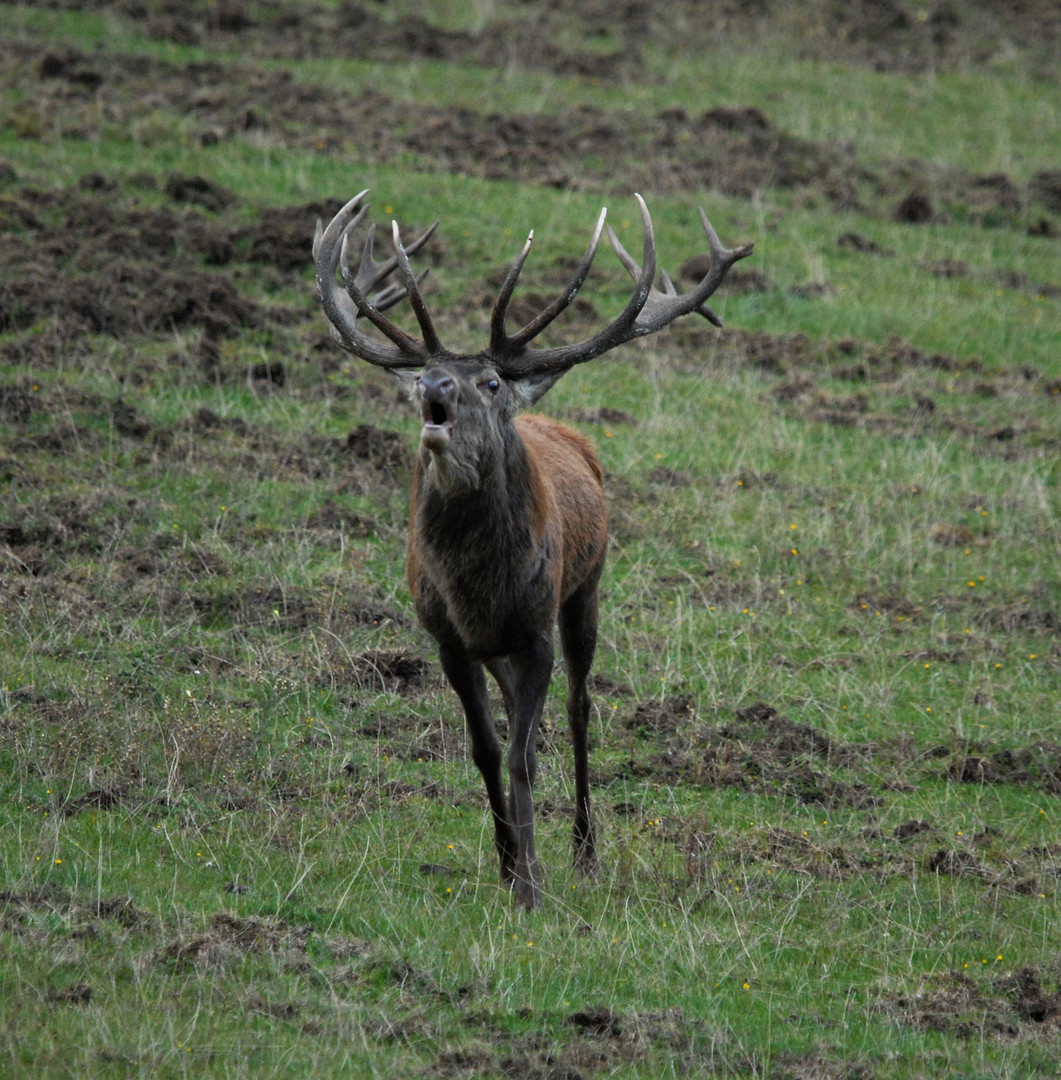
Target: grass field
<point x="239" y="833"/>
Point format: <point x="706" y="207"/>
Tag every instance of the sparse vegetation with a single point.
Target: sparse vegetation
<point x="238" y="832"/>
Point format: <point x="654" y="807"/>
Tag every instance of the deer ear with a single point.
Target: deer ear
<point x="406" y="378"/>
<point x="534" y="386"/>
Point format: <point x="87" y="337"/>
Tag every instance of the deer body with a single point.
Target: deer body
<point x="508" y="524"/>
<point x="490" y="567"/>
<point x="493" y="565"/>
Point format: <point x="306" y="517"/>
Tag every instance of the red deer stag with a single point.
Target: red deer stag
<point x="508" y="526"/>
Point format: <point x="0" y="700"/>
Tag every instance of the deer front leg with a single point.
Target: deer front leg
<point x="531" y="669"/>
<point x="466" y="677"/>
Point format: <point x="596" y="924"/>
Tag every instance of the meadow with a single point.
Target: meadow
<point x="239" y="832"/>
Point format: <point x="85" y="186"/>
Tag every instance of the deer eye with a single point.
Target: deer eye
<point x="493" y="386"/>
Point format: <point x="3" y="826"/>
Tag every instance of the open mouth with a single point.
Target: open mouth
<point x="438" y="423"/>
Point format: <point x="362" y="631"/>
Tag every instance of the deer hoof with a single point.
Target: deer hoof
<point x="526" y="896"/>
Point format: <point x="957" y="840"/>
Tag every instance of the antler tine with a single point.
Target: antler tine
<point x="663" y="309"/>
<point x="642" y="280"/>
<point x="500" y="343"/>
<point x="371" y="273"/>
<point x="348" y="217"/>
<point x="410" y="282"/>
<point x="393" y="294"/>
<point x="722" y="258"/>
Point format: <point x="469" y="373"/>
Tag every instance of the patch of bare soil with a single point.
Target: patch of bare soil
<point x="736" y="150"/>
<point x="1037" y="765"/>
<point x="408" y="738"/>
<point x="95" y="262"/>
<point x="227" y="938"/>
<point x="760" y="750"/>
<point x="606" y="40"/>
<point x="384" y="670"/>
<point x="662" y="717"/>
<point x="602" y="1040"/>
<point x="106" y="798"/>
<point x="893" y="388"/>
<point x="288" y="608"/>
<point x="388" y="451"/>
<point x="1025" y="1003"/>
<point x="17" y="907"/>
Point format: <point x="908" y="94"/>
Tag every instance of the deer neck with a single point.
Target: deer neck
<point x="482" y="514"/>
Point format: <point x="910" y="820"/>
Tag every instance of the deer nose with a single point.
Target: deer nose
<point x="437" y="385"/>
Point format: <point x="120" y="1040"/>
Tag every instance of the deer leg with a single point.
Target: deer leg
<point x="501" y="669"/>
<point x="531" y="670"/>
<point x="467" y="679"/>
<point x="578" y="639"/>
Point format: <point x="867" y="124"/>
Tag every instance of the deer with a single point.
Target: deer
<point x="508" y="526"/>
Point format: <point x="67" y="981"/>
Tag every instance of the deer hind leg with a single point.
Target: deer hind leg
<point x="505" y="677"/>
<point x="578" y="638"/>
<point x="467" y="679"/>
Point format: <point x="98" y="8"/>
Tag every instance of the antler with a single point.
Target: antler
<point x="663" y="307"/>
<point x="343" y="307"/>
<point x="649" y="309"/>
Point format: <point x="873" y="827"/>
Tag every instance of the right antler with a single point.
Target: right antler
<point x="648" y="310"/>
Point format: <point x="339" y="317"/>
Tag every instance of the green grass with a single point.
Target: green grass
<point x="235" y="840"/>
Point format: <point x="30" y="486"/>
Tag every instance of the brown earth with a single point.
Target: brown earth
<point x="736" y="149"/>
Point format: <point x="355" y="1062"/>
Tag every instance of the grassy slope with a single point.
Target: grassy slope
<point x="185" y="624"/>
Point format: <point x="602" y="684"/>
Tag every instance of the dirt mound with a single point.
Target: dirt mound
<point x="969" y="1006"/>
<point x="760" y="751"/>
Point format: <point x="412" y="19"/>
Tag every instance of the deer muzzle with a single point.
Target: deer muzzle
<point x="438" y="408"/>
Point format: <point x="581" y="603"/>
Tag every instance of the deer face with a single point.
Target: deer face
<point x="465" y="406"/>
<point x="457" y="401"/>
